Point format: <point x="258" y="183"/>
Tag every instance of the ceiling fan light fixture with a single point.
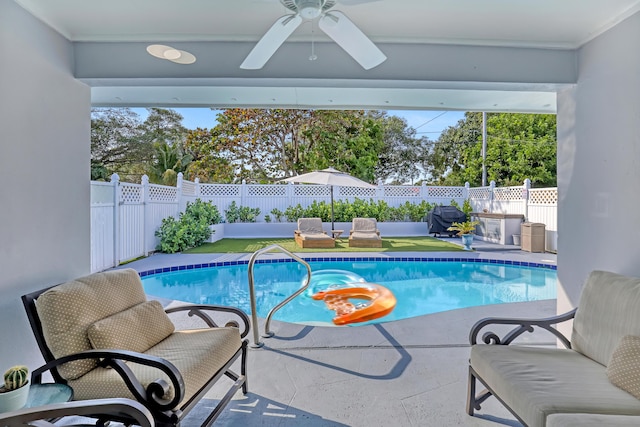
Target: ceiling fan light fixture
<point x="309" y="9"/>
<point x="171" y="54"/>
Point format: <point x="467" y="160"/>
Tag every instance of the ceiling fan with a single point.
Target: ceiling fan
<point x="332" y="22"/>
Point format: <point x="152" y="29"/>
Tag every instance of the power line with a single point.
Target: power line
<point x="430" y="120"/>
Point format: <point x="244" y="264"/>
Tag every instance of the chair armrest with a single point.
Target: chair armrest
<point x="118" y="408"/>
<point x="296" y="232"/>
<point x="524" y="325"/>
<point x="199" y="310"/>
<point x="151" y="396"/>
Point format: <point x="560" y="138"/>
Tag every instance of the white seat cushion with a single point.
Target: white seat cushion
<point x="536" y="382"/>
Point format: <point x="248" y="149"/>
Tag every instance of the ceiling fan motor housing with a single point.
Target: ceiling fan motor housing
<point x="308" y="9"/>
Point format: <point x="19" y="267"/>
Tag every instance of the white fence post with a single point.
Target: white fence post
<point x="492" y="186"/>
<point x="525" y="196"/>
<point x="115" y="180"/>
<point x="465" y="192"/>
<point x="289" y="192"/>
<point x="197" y="187"/>
<point x="243" y="192"/>
<point x="146" y="221"/>
<point x="379" y="192"/>
<point x="179" y="194"/>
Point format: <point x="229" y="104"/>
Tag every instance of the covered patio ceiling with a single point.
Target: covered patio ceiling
<point x="489" y="55"/>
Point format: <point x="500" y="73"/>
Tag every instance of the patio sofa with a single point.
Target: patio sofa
<point x="101" y="336"/>
<point x="593" y="381"/>
<point x="311" y="235"/>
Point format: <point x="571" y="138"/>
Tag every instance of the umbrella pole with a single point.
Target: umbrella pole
<point x="332" y="228"/>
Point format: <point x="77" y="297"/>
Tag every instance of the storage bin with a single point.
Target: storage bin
<point x="532" y="236"/>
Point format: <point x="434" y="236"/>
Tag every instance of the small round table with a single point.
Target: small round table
<point x="46" y="394"/>
<point x="336" y="233"/>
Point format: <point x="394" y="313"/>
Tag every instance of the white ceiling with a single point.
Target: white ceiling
<point x="529" y="23"/>
<point x="562" y="25"/>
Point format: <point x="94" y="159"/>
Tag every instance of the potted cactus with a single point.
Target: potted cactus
<point x="15" y="391"/>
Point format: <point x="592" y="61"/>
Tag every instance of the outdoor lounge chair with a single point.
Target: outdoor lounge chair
<point x="99" y="335"/>
<point x="311" y="235"/>
<point x="364" y="233"/>
<point x="109" y="408"/>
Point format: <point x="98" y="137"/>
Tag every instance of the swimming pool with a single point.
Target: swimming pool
<point x="421" y="285"/>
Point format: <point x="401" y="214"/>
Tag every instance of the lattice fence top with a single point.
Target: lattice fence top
<point x="130" y="193"/>
<point x="401" y="191"/>
<point x="507" y="193"/>
<point x="448" y="192"/>
<point x="220" y="190"/>
<point x="162" y="193"/>
<point x="188" y="188"/>
<point x="101" y="192"/>
<point x="480" y="193"/>
<point x="543" y="196"/>
<point x="355" y="192"/>
<point x="311" y="190"/>
<point x="266" y="190"/>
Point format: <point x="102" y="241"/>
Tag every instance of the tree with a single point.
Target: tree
<point x="113" y="140"/>
<point x="348" y="140"/>
<point x="519" y="146"/>
<point x="403" y="155"/>
<point x="208" y="164"/>
<point x="447" y="156"/>
<point x="121" y="143"/>
<point x="267" y="144"/>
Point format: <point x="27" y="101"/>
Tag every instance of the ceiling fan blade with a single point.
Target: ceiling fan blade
<point x="349" y="37"/>
<point x="271" y="41"/>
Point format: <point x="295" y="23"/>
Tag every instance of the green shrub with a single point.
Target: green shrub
<point x="191" y="229"/>
<point x="235" y="213"/>
<point x="345" y="211"/>
<point x="277" y="214"/>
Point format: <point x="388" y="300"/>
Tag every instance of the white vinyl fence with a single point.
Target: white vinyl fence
<point x="125" y="216"/>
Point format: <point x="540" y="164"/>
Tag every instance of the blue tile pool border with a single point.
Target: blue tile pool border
<point x="348" y="259"/>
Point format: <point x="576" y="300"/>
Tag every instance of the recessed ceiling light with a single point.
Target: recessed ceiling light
<point x="171" y="54"/>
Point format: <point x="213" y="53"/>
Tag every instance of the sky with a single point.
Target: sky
<point x="425" y="122"/>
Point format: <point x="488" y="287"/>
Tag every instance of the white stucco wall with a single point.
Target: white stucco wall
<point x="44" y="172"/>
<point x="599" y="162"/>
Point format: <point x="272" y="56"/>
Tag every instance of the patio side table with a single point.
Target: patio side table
<point x="336" y="234"/>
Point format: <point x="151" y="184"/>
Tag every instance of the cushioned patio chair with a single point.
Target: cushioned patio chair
<point x="100" y="335"/>
<point x="311" y="235"/>
<point x="364" y="233"/>
<point x="123" y="409"/>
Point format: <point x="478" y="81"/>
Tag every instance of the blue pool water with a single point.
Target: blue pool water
<point x="420" y="287"/>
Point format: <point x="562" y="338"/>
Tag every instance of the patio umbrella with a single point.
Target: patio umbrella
<point x="330" y="177"/>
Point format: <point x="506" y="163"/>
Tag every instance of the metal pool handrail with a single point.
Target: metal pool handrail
<point x="252" y="292"/>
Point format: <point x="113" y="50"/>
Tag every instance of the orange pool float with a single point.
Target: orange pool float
<point x="381" y="302"/>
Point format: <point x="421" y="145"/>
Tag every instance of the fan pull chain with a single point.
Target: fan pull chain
<point x="313" y="55"/>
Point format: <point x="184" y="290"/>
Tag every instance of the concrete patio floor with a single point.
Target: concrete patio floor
<point x="404" y="373"/>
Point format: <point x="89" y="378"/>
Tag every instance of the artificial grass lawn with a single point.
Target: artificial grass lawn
<point x="389" y="244"/>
